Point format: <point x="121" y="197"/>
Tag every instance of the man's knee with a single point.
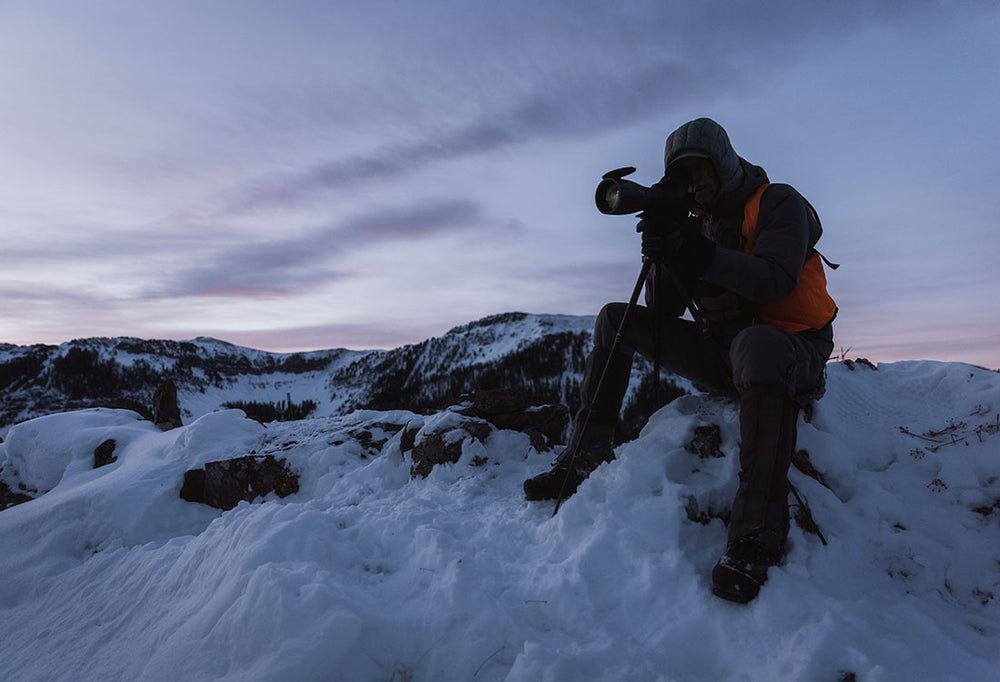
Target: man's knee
<point x="608" y="321"/>
<point x="763" y="355"/>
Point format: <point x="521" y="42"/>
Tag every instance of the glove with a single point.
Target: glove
<point x="681" y="245"/>
<point x="661" y="237"/>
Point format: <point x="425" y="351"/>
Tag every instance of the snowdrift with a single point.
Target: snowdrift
<point x="368" y="573"/>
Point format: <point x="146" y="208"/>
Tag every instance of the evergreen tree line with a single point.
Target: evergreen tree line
<point x="281" y="411"/>
<point x="82" y="375"/>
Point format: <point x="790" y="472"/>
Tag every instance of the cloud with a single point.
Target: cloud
<point x="280" y="267"/>
<point x="414" y="222"/>
<point x="564" y="105"/>
<point x="24" y="298"/>
<point x="604" y="80"/>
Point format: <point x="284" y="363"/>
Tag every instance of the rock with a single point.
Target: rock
<point x="507" y="409"/>
<point x="440" y="439"/>
<point x="226" y="483"/>
<point x="444" y="446"/>
<point x="409" y="436"/>
<point x="9" y="498"/>
<point x="430" y="444"/>
<point x="707" y="442"/>
<point x="166" y="411"/>
<point x="105" y="453"/>
<point x="433" y="450"/>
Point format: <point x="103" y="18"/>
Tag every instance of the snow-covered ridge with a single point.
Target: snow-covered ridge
<point x="369" y="574"/>
<point x="210" y="373"/>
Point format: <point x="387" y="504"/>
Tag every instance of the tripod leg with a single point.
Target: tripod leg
<point x="622" y="326"/>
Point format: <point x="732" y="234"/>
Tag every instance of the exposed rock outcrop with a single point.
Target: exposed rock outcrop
<point x="546" y="425"/>
<point x="9" y="498"/>
<point x="104" y="453"/>
<point x="224" y="484"/>
<point x="166" y="409"/>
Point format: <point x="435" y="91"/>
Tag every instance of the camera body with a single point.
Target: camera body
<point x="667" y="198"/>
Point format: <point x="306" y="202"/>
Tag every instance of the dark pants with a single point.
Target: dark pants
<point x="770" y="369"/>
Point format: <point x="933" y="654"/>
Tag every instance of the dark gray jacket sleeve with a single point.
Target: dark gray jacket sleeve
<point x="787" y="230"/>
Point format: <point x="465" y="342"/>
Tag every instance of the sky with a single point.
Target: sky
<point x="305" y="175"/>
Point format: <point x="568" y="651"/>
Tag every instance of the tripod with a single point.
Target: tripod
<point x="647" y="264"/>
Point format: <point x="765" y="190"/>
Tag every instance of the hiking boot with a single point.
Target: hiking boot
<point x="548" y="486"/>
<point x="741" y="572"/>
<point x="593" y="447"/>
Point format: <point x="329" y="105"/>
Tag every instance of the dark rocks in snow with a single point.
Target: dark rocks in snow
<point x="707" y="442"/>
<point x="546" y="425"/>
<point x="371" y="438"/>
<point x="224" y="484"/>
<point x="104" y="453"/>
<point x="9" y="498"/>
<point x="444" y="445"/>
<point x="166" y="410"/>
<point x="433" y="443"/>
<point x="408" y="438"/>
<point x="987" y="509"/>
<point x="371" y="443"/>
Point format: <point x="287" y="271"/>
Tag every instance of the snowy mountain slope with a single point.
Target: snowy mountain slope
<point x="37" y="380"/>
<point x="541" y="357"/>
<point x="369" y="574"/>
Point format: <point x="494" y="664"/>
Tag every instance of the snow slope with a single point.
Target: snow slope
<point x="367" y="574"/>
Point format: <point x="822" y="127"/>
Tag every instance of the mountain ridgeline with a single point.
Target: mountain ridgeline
<point x="539" y="357"/>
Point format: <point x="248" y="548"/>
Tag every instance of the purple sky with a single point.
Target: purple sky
<point x="304" y="175"/>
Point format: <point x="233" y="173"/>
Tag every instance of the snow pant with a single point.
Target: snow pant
<point x="770" y="369"/>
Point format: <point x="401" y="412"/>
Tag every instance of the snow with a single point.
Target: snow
<point x="367" y="574"/>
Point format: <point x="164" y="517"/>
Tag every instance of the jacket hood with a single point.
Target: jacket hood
<point x="705" y="138"/>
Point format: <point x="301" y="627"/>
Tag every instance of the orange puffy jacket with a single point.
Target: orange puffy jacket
<point x="809" y="306"/>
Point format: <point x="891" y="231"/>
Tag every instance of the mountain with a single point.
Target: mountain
<point x="375" y="570"/>
<point x="539" y="357"/>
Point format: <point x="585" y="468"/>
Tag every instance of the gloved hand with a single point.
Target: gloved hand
<point x="661" y="236"/>
<point x="680" y="244"/>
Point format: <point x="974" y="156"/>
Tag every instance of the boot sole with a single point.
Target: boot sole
<point x="734" y="586"/>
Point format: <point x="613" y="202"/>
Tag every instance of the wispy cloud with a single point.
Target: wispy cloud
<point x="563" y="105"/>
<point x="278" y="267"/>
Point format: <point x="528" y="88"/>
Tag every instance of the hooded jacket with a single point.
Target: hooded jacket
<point x="748" y="277"/>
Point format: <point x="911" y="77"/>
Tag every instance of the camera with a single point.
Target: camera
<point x="617" y="196"/>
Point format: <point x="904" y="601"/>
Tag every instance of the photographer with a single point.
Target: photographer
<point x="740" y="252"/>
